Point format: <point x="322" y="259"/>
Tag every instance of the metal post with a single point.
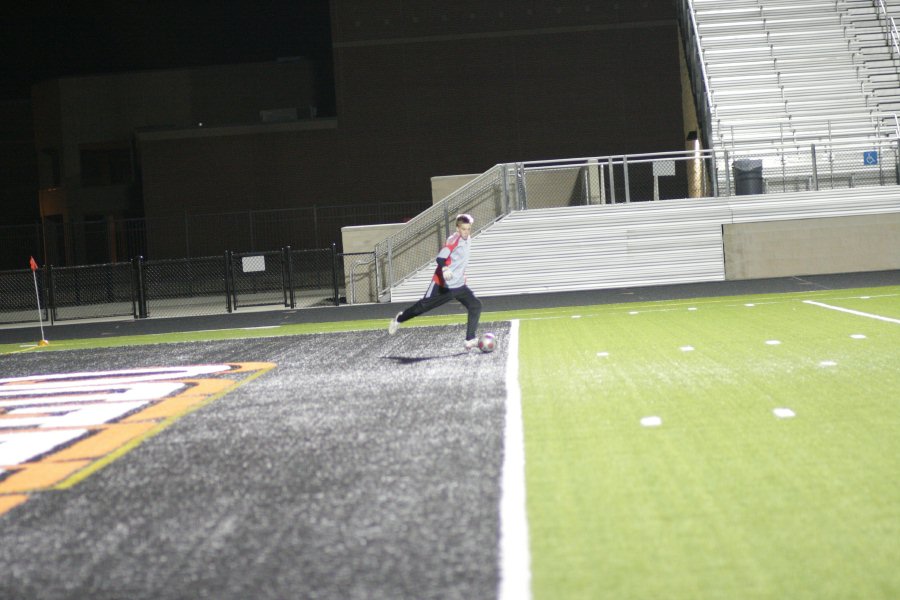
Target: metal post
<point x="141" y="288"/>
<point x="521" y="194"/>
<point x="390" y="264"/>
<point x="334" y="274"/>
<point x="727" y="175"/>
<point x="612" y="182"/>
<point x="228" y="282"/>
<point x="897" y="160"/>
<point x="288" y="274"/>
<point x="446" y="220"/>
<point x="627" y="187"/>
<point x="815" y="171"/>
<point x="504" y="169"/>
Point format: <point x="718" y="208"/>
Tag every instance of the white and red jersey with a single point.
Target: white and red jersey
<point x="455" y="256"/>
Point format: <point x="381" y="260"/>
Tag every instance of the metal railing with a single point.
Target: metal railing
<point x="893" y="36"/>
<point x="626" y="179"/>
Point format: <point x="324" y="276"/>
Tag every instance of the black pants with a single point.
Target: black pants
<point x="437" y="296"/>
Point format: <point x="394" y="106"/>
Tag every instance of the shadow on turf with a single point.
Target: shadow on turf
<point x="410" y="360"/>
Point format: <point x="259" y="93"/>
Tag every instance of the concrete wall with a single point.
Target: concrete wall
<point x="359" y="272"/>
<point x="812" y="246"/>
<point x="444" y="185"/>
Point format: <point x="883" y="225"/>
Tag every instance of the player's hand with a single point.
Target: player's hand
<point x="448" y="274"/>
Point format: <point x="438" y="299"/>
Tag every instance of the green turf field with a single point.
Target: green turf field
<point x="736" y="447"/>
<point x="725" y="498"/>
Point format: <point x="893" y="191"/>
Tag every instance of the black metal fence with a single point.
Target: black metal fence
<point x="174" y="287"/>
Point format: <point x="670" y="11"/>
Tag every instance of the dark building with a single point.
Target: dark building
<point x="421" y="89"/>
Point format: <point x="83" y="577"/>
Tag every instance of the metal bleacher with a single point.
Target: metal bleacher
<point x="632" y="245"/>
<point x="795" y="72"/>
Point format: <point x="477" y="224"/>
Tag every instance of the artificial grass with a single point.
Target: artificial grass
<point x="724" y="499"/>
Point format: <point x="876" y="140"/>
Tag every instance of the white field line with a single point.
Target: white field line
<point x="853" y="312"/>
<point x="515" y="557"/>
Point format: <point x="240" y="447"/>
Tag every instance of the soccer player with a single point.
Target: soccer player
<point x="449" y="283"/>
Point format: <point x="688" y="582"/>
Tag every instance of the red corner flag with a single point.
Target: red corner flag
<point x="34" y="266"/>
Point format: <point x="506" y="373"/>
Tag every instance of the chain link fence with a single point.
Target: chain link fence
<point x="182" y="286"/>
<point x="317" y="277"/>
<point x="19" y="293"/>
<point x="91" y="291"/>
<point x="208" y="285"/>
<point x="258" y="279"/>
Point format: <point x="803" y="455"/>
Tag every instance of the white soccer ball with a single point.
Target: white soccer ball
<point x="487" y="342"/>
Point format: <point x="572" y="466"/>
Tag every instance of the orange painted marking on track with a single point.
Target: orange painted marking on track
<point x="56" y="430"/>
<point x="196" y="392"/>
<point x="40" y="475"/>
<point x="8" y="503"/>
<point x="103" y="442"/>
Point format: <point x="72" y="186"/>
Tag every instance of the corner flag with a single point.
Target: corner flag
<point x="34" y="268"/>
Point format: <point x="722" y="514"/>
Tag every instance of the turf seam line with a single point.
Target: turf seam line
<point x="515" y="559"/>
<point x="858" y="313"/>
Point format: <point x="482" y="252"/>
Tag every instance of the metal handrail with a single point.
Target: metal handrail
<point x="892" y="30"/>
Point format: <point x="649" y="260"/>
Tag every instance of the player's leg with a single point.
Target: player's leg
<point x="473" y="305"/>
<point x="434" y="296"/>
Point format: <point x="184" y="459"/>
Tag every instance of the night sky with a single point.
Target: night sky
<point x="125" y="35"/>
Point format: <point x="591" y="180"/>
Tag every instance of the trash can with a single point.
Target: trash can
<point x="748" y="176"/>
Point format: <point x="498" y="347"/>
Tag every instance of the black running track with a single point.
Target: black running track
<point x="360" y="466"/>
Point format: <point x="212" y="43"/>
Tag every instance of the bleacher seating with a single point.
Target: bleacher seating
<point x="792" y="72"/>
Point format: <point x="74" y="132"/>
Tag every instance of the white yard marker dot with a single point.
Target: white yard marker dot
<point x="687" y="348"/>
<point x="603" y="354"/>
<point x="750" y="304"/>
<point x="858" y="336"/>
<point x="784" y="413"/>
<point x="827" y="363"/>
<point x="576" y="316"/>
<point x="634" y="312"/>
<point x="773" y="342"/>
<point x="651" y="421"/>
<point x="693" y="308"/>
<point x="864" y="297"/>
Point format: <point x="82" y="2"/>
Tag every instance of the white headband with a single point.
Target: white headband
<point x="467" y="217"/>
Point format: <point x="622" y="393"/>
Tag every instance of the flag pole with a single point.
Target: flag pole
<point x="37" y="297"/>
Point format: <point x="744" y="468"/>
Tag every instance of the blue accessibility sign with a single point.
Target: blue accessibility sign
<point x="870" y="157"/>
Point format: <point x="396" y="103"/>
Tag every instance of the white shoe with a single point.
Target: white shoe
<point x="470" y="344"/>
<point x="394" y="325"/>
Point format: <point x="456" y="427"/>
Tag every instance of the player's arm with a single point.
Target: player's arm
<point x="442" y="259"/>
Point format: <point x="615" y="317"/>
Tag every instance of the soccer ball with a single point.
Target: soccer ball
<point x="487" y="342"/>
